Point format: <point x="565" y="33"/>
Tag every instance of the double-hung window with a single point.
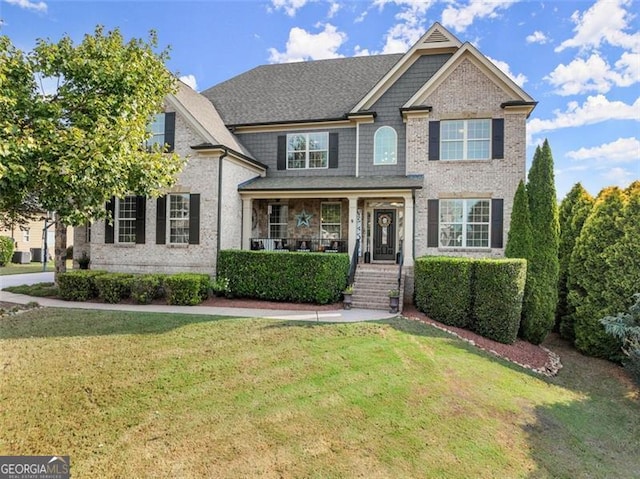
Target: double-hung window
<point x="465" y="139"/>
<point x="126" y="219"/>
<point x="179" y="218"/>
<point x="330" y="220"/>
<point x="156" y="129"/>
<point x="465" y="223"/>
<point x="278" y="220"/>
<point x="307" y="151"/>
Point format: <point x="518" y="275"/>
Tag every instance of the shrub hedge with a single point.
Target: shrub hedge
<point x="79" y="285"/>
<point x="297" y="277"/>
<point x="186" y="289"/>
<point x="484" y="295"/>
<point x="147" y="287"/>
<point x="443" y="289"/>
<point x="113" y="287"/>
<point x="6" y="250"/>
<point x="497" y="291"/>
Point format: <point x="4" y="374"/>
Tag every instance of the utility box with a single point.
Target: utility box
<point x="21" y="257"/>
<point x="36" y="255"/>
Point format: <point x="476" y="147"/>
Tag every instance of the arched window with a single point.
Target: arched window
<point x="385" y="146"/>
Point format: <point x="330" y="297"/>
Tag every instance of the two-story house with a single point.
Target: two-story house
<point x="419" y="152"/>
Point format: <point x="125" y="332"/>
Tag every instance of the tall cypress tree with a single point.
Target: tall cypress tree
<point x="590" y="272"/>
<point x="574" y="209"/>
<point x="543" y="267"/>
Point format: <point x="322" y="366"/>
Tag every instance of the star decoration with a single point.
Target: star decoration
<point x="304" y="219"/>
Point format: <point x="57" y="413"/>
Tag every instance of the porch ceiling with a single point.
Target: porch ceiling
<point x="333" y="183"/>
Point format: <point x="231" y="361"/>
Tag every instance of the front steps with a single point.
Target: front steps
<point x="372" y="284"/>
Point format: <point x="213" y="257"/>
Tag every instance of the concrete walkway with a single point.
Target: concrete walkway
<point x="337" y="316"/>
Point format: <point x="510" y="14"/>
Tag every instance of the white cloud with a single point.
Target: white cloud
<point x="410" y="27"/>
<point x="520" y="79"/>
<point x="595" y="109"/>
<point x="623" y="150"/>
<point x="358" y="51"/>
<point x="537" y="37"/>
<point x="333" y="9"/>
<point x="290" y="7"/>
<point x="618" y="176"/>
<point x="606" y="21"/>
<point x="595" y="75"/>
<point x="190" y="80"/>
<point x="29" y="5"/>
<point x="303" y="45"/>
<point x="461" y="17"/>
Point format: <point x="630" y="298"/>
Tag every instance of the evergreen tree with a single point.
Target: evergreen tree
<point x="589" y="273"/>
<point x="574" y="210"/>
<point x="543" y="267"/>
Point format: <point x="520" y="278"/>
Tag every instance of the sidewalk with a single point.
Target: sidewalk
<point x="337" y="316"/>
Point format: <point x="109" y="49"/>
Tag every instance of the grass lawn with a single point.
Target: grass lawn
<point x="13" y="268"/>
<point x="150" y="395"/>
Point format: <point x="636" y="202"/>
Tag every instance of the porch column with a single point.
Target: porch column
<point x="408" y="230"/>
<point x="353" y="221"/>
<point x="247" y="204"/>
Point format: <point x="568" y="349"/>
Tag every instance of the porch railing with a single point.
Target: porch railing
<point x="314" y="245"/>
<point x="354" y="262"/>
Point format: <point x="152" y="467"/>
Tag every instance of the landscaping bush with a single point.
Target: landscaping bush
<point x="498" y="289"/>
<point x="297" y="277"/>
<point x="6" y="250"/>
<point x="626" y="328"/>
<point x="78" y="285"/>
<point x="147" y="287"/>
<point x="220" y="286"/>
<point x="113" y="287"/>
<point x="443" y="289"/>
<point x="70" y="252"/>
<point x="186" y="289"/>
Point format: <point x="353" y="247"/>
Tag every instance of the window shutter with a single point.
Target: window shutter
<point x="333" y="150"/>
<point x="108" y="227"/>
<point x="161" y="220"/>
<point x="141" y="218"/>
<point x="170" y="130"/>
<point x="432" y="223"/>
<point x="496" y="223"/>
<point x="282" y="152"/>
<point x="434" y="140"/>
<point x="497" y="140"/>
<point x="194" y="219"/>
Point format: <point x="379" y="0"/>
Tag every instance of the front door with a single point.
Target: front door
<point x="384" y="235"/>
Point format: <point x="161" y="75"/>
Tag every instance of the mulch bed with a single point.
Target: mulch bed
<point x="536" y="358"/>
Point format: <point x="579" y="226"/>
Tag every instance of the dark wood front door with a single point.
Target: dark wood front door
<point x="384" y="235"/>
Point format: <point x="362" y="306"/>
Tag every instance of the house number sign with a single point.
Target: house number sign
<point x="384" y="221"/>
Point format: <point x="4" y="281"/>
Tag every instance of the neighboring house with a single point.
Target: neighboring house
<point x="30" y="236"/>
<point x="420" y="152"/>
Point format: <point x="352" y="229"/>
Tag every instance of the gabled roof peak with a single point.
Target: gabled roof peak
<point x="437" y="37"/>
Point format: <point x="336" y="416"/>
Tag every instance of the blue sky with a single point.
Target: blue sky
<point x="579" y="59"/>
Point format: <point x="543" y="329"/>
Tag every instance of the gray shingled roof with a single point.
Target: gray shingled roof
<point x="323" y="89"/>
<point x="313" y="183"/>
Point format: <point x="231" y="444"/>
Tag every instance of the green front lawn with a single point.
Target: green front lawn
<point x="141" y="395"/>
<point x="13" y="268"/>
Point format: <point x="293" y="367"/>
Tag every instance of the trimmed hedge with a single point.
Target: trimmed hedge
<point x="6" y="250"/>
<point x="186" y="288"/>
<point x="443" y="289"/>
<point x="113" y="287"/>
<point x="147" y="287"/>
<point x="498" y="290"/>
<point x="79" y="285"/>
<point x="484" y="295"/>
<point x="296" y="277"/>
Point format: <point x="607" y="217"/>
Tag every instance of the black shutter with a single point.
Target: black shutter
<point x="497" y="140"/>
<point x="432" y="223"/>
<point x="333" y="150"/>
<point x="141" y="219"/>
<point x="282" y="152"/>
<point x="194" y="219"/>
<point x="434" y="140"/>
<point x="170" y="130"/>
<point x="496" y="223"/>
<point x="161" y="220"/>
<point x="108" y="227"/>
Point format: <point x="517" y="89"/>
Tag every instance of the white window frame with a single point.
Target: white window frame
<point x="379" y="149"/>
<point x="178" y="218"/>
<point x="323" y="222"/>
<point x="307" y="151"/>
<point x="465" y="223"/>
<point x="466" y="141"/>
<point x="156" y="129"/>
<point x="118" y="221"/>
<point x="279" y="224"/>
<point x="26" y="234"/>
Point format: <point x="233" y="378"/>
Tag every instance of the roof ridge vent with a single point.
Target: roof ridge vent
<point x="436" y="37"/>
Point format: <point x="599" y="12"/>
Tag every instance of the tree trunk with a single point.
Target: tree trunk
<point x="60" y="248"/>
